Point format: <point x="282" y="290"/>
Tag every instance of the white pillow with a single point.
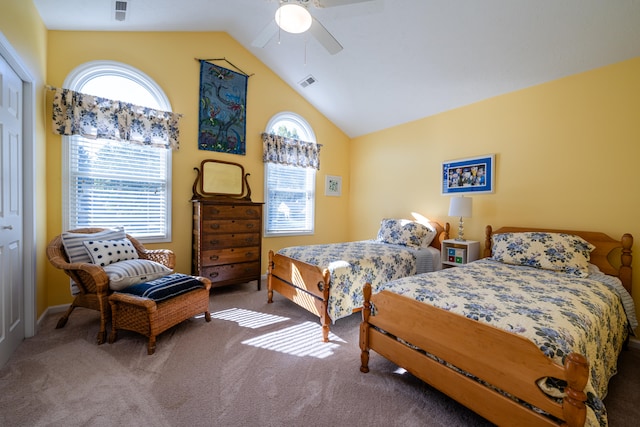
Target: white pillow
<point x="105" y="252"/>
<point x="430" y="234"/>
<point x="131" y="272"/>
<point x="73" y="242"/>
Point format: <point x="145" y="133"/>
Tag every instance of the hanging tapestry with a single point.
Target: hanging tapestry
<point x="222" y="117"/>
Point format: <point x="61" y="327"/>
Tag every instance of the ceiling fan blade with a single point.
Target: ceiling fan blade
<point x="266" y="34"/>
<point x="333" y="3"/>
<point x="324" y="37"/>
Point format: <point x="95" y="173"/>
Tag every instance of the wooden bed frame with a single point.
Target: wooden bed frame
<point x="308" y="285"/>
<point x="507" y="361"/>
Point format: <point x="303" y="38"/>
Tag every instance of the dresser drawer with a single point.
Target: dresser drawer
<point x="221" y="241"/>
<point x="231" y="211"/>
<point x="230" y="226"/>
<point x="230" y="255"/>
<point x="227" y="240"/>
<point x="244" y="270"/>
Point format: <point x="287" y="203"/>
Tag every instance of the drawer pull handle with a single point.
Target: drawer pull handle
<point x="215" y="226"/>
<point x="251" y="212"/>
<point x="214" y="257"/>
<point x="215" y="211"/>
<point x="249" y="239"/>
<point x="250" y="225"/>
<point x="249" y="254"/>
<point x="215" y="242"/>
<point x="214" y="274"/>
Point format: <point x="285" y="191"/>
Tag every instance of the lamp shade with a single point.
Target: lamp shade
<point x="460" y="207"/>
<point x="293" y="18"/>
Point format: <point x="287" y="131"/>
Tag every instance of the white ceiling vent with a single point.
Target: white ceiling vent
<point x="309" y="80"/>
<point x="120" y="10"/>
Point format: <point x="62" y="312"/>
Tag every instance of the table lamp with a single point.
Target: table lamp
<point x="460" y="207"/>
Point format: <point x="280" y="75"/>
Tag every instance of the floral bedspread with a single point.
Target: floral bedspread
<point x="559" y="313"/>
<point x="352" y="264"/>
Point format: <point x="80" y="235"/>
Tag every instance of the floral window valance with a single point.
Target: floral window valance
<point x="289" y="151"/>
<point x="76" y="113"/>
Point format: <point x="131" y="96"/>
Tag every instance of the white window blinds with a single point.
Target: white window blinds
<point x="290" y="204"/>
<point x="114" y="183"/>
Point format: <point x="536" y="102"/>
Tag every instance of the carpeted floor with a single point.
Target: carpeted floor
<point x="255" y="364"/>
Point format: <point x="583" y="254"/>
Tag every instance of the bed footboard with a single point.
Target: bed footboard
<point x="305" y="284"/>
<point x="507" y="361"/>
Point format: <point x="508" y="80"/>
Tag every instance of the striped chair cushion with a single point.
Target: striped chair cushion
<point x="165" y="287"/>
<point x="131" y="272"/>
<point x="74" y="246"/>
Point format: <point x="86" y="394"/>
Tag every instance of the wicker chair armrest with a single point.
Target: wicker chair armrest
<point x="58" y="261"/>
<point x="165" y="257"/>
<point x="95" y="272"/>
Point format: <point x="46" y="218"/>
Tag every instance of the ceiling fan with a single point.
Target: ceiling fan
<point x="294" y="17"/>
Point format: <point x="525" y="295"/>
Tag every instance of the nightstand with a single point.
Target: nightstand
<point x="459" y="252"/>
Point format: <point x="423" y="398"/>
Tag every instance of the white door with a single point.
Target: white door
<point x="12" y="324"/>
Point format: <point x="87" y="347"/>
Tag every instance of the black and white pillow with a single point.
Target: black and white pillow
<point x="105" y="252"/>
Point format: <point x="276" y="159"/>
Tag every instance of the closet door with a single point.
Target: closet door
<point x="12" y="325"/>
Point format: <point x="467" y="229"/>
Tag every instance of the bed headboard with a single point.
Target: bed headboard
<point x="600" y="255"/>
<point x="443" y="234"/>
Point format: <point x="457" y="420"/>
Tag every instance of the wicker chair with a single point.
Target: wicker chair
<point x="92" y="280"/>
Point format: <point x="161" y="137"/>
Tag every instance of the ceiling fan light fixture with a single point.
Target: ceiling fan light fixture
<point x="293" y="18"/>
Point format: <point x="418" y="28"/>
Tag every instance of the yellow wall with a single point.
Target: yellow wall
<point x="169" y="59"/>
<point x="23" y="28"/>
<point x="565" y="150"/>
<point x="567" y="156"/>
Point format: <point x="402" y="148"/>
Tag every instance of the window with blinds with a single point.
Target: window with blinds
<point x="289" y="190"/>
<point x="290" y="203"/>
<point x="116" y="183"/>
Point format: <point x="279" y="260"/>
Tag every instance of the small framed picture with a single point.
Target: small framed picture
<point x="333" y="185"/>
<point x="473" y="175"/>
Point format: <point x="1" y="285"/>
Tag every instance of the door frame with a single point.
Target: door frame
<point x="29" y="252"/>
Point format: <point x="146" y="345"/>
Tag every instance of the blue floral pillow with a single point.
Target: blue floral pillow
<point x="549" y="251"/>
<point x="404" y="232"/>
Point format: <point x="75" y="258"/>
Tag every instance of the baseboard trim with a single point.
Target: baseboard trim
<point x="51" y="310"/>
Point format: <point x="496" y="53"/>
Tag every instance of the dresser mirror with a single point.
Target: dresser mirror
<point x="219" y="178"/>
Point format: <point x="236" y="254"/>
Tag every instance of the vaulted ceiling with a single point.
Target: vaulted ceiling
<point x="401" y="59"/>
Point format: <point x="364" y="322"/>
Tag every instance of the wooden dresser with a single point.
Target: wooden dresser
<point x="227" y="241"/>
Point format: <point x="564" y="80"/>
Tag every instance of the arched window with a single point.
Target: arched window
<point x="289" y="190"/>
<point x="111" y="183"/>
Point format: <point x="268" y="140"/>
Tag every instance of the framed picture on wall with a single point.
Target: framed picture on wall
<point x="333" y="185"/>
<point x="472" y="175"/>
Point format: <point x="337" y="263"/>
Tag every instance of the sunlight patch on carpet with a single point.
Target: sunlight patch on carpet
<point x="300" y="340"/>
<point x="248" y="318"/>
